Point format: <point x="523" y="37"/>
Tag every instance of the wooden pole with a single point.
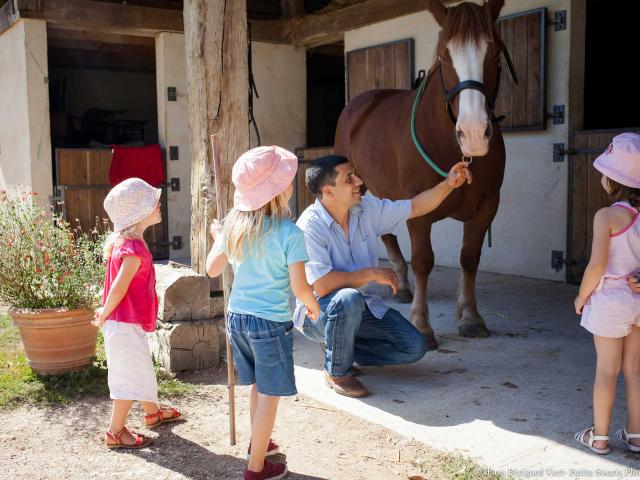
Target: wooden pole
<point x="226" y="288"/>
<point x="217" y="88"/>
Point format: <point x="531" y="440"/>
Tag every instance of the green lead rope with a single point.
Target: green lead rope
<point x="416" y="142"/>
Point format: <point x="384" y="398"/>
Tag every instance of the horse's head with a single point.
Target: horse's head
<point x="468" y="56"/>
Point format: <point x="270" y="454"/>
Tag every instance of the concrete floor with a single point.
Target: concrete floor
<point x="512" y="401"/>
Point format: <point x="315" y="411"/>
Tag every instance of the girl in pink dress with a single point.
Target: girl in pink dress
<point x="130" y="311"/>
<point x="609" y="306"/>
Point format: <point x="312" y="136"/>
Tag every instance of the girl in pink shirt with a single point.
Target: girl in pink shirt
<point x="130" y="310"/>
<point x="609" y="305"/>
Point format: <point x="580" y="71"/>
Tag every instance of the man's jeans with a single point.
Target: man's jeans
<point x="351" y="333"/>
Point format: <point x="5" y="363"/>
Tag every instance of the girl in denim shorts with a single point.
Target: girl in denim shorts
<point x="267" y="253"/>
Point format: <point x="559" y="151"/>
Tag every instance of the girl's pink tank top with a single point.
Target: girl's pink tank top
<point x="624" y="248"/>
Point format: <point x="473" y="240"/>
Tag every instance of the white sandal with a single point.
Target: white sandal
<point x="580" y="439"/>
<point x="623" y="437"/>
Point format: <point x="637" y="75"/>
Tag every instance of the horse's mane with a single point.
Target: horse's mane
<point x="467" y="22"/>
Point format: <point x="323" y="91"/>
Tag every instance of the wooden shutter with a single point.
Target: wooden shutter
<point x="389" y="65"/>
<point x="523" y="104"/>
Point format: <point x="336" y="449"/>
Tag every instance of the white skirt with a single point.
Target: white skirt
<point x="131" y="375"/>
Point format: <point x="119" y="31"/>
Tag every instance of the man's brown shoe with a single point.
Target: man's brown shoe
<point x="349" y="386"/>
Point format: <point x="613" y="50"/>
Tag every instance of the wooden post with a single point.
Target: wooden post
<point x="218" y="84"/>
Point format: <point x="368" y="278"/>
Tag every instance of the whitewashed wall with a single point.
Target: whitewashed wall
<point x="532" y="218"/>
<point x="25" y="138"/>
<point x="173" y="130"/>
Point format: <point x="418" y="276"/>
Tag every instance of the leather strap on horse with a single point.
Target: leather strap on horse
<point x="414" y="136"/>
<point x="451" y="94"/>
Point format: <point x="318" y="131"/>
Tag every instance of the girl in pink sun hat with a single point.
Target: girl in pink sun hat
<point x="609" y="305"/>
<point x="129" y="311"/>
<point x="267" y="253"/>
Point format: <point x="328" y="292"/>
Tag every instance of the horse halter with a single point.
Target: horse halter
<point x="490" y="99"/>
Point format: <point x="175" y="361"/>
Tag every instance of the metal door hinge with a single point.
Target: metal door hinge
<point x="558" y="115"/>
<point x="559" y="20"/>
<point x="175" y="184"/>
<point x="176" y="242"/>
<point x="172" y="94"/>
<point x="557" y="260"/>
<point x="559" y="152"/>
<point x="174" y="153"/>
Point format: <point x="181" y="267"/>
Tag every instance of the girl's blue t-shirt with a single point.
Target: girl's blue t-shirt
<point x="261" y="284"/>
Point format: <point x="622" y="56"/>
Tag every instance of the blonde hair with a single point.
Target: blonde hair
<point x="242" y="229"/>
<point x="118" y="237"/>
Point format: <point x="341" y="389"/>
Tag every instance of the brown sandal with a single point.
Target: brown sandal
<point x="175" y="415"/>
<point x="141" y="440"/>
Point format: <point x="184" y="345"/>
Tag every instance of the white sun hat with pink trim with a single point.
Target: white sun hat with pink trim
<point x="621" y="160"/>
<point x="130" y="202"/>
<point x="261" y="174"/>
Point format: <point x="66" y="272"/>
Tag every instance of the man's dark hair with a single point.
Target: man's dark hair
<point x="323" y="172"/>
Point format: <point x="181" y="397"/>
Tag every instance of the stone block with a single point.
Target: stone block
<point x="190" y="345"/>
<point x="183" y="294"/>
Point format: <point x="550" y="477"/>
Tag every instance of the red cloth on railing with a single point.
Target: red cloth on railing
<point x="140" y="162"/>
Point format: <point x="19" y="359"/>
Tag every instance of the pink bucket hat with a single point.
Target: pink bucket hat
<point x="131" y="201"/>
<point x="261" y="174"/>
<point x="621" y="160"/>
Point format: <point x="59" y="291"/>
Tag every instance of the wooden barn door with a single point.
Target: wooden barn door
<point x="304" y="198"/>
<point x="82" y="183"/>
<point x="389" y="65"/>
<point x="586" y="195"/>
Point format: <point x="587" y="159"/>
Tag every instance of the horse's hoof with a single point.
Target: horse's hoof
<point x="404" y="296"/>
<point x="432" y="343"/>
<point x="473" y="330"/>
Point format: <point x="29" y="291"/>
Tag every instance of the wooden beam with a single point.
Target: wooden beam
<point x="107" y="17"/>
<point x="292" y="8"/>
<point x="326" y="27"/>
<point x="217" y="82"/>
<point x="89" y="39"/>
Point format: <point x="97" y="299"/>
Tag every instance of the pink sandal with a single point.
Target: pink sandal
<point x="141" y="441"/>
<point x="175" y="415"/>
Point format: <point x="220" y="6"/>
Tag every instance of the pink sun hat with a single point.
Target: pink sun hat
<point x="621" y="160"/>
<point x="261" y="174"/>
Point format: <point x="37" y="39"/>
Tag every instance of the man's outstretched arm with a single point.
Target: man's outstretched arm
<point x="429" y="200"/>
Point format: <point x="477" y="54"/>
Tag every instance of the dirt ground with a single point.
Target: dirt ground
<point x="65" y="442"/>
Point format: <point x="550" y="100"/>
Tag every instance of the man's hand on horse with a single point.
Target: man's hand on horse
<point x="459" y="174"/>
<point x="386" y="276"/>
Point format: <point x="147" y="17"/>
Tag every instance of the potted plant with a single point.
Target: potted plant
<point x="50" y="277"/>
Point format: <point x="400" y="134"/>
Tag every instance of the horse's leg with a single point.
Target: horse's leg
<point x="470" y="323"/>
<point x="421" y="263"/>
<point x="399" y="265"/>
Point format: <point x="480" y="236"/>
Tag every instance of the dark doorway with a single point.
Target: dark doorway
<point x="325" y="93"/>
<point x="610" y="98"/>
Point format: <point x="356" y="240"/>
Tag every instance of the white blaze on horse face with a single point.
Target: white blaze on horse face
<point x="473" y="121"/>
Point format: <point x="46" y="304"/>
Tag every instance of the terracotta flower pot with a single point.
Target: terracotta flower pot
<point x="56" y="341"/>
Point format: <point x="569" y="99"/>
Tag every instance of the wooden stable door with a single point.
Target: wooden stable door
<point x="303" y="196"/>
<point x="82" y="183"/>
<point x="586" y="196"/>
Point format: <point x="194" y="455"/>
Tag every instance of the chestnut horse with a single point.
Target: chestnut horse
<point x="374" y="133"/>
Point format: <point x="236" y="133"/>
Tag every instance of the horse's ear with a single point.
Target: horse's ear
<point x="438" y="10"/>
<point x="494" y="8"/>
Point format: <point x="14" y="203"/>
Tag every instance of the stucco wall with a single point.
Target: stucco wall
<point x="532" y="217"/>
<point x="281" y="80"/>
<point x="25" y="141"/>
<point x="173" y="130"/>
